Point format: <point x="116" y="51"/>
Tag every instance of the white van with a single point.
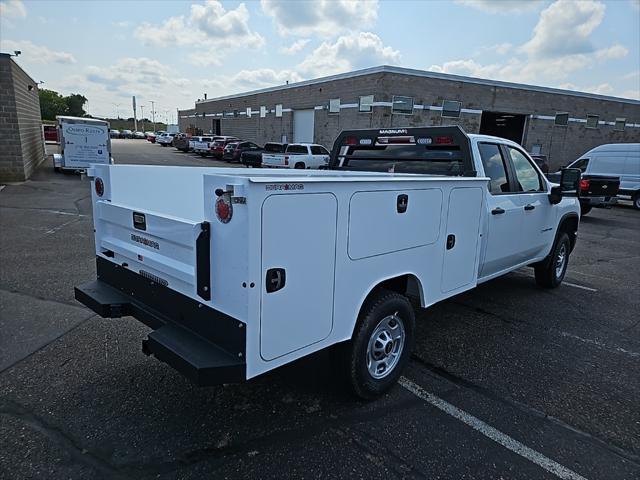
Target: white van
<point x="619" y="159"/>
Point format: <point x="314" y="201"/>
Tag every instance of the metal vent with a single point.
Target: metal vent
<point x="154" y="278"/>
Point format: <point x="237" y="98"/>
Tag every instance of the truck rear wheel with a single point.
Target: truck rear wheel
<point x="636" y="201"/>
<point x="381" y="344"/>
<point x="299" y="165"/>
<point x="551" y="271"/>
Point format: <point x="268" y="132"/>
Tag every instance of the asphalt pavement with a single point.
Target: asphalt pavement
<point x="506" y="381"/>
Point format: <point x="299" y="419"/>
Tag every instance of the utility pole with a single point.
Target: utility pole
<point x="135" y="115"/>
<point x="153" y="114"/>
<point x="142" y="115"/>
<point x="117" y="110"/>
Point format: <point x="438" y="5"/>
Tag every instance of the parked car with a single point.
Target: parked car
<point x="615" y="159"/>
<point x="253" y="158"/>
<point x="50" y="133"/>
<point x="114" y="133"/>
<point x="148" y="136"/>
<point x="181" y="141"/>
<point x="298" y="155"/>
<point x="608" y="172"/>
<point x="233" y="151"/>
<point x="126" y="134"/>
<point x="165" y="139"/>
<point x="139" y="135"/>
<point x="541" y="161"/>
<point x="200" y="144"/>
<point x="278" y="266"/>
<point x="217" y="146"/>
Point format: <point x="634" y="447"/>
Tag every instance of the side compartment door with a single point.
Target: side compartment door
<point x="298" y="265"/>
<point x="461" y="238"/>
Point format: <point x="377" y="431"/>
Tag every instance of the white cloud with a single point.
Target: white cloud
<point x="122" y="24"/>
<point x="564" y="27"/>
<point x="505" y="7"/>
<point x="263" y="77"/>
<point x="632" y="75"/>
<point x="602" y="89"/>
<point x="295" y="47"/>
<point x="12" y="8"/>
<point x="210" y="26"/>
<point x="36" y="54"/>
<point x="326" y="18"/>
<point x="559" y="47"/>
<point x="349" y="52"/>
<point x="633" y="93"/>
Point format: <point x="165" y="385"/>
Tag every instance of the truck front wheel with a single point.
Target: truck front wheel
<point x="551" y="272"/>
<point x="381" y="344"/>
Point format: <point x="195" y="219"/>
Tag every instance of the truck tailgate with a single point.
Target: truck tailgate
<point x="162" y="248"/>
<point x="599" y="186"/>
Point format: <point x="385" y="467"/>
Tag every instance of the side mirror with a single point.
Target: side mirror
<point x="569" y="185"/>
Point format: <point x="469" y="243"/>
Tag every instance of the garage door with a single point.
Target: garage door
<point x="303" y="123"/>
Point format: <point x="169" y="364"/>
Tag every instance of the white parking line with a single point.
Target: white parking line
<point x="527" y="273"/>
<point x="588" y="289"/>
<point x="488" y="431"/>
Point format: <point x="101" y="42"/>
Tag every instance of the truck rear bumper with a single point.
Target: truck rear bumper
<point x="203" y="344"/>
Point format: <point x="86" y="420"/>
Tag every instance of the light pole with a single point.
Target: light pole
<point x="142" y="115"/>
<point x="153" y="114"/>
<point x="117" y="110"/>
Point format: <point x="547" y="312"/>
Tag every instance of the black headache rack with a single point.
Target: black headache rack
<point x="426" y="150"/>
<point x="205" y="345"/>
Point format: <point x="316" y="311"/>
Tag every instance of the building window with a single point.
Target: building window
<point x="366" y="103"/>
<point x="562" y="119"/>
<point x="592" y="121"/>
<point x="263" y="112"/>
<point x="279" y="110"/>
<point x="224" y="113"/>
<point x="536" y="149"/>
<point x="334" y="105"/>
<point x="248" y="112"/>
<point x="451" y="108"/>
<point x="236" y="113"/>
<point x="402" y="105"/>
<point x="620" y="124"/>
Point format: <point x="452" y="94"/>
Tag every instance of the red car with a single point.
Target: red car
<point x="217" y="146"/>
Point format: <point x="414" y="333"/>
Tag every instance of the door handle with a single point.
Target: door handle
<point x="497" y="211"/>
<point x="529" y="207"/>
<point x="275" y="279"/>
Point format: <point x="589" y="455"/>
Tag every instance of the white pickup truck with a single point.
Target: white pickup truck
<point x="241" y="271"/>
<point x="298" y="155"/>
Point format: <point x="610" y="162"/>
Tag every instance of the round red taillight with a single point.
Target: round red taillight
<point x="224" y="209"/>
<point x="99" y="186"/>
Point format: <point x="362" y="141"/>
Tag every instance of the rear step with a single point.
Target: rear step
<point x="197" y="359"/>
<point x="202" y="343"/>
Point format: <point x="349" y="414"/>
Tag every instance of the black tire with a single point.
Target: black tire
<point x="163" y="144"/>
<point x="57" y="169"/>
<point x="585" y="209"/>
<point x="548" y="272"/>
<point x="299" y="166"/>
<point x="636" y="201"/>
<point x="382" y="306"/>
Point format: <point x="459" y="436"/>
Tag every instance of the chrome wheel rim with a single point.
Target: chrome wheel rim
<point x="385" y="346"/>
<point x="561" y="260"/>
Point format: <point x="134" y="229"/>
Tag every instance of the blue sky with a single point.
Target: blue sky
<point x="172" y="52"/>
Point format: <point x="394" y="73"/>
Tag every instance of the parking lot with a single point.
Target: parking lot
<point x="506" y="381"/>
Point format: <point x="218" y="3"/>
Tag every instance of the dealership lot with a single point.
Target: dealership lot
<point x="506" y="380"/>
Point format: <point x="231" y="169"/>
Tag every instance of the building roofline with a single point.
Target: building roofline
<point x="424" y="74"/>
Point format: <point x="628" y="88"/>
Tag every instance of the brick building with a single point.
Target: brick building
<point x="21" y="139"/>
<point x="558" y="123"/>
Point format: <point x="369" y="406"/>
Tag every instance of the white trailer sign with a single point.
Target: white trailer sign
<point x="83" y="141"/>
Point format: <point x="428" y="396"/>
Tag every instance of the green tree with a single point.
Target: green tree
<point x="52" y="104"/>
<point x="75" y="103"/>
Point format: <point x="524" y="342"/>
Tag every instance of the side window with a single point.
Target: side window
<point x="527" y="176"/>
<point x="318" y="150"/>
<point x="494" y="167"/>
<point x="581" y="164"/>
